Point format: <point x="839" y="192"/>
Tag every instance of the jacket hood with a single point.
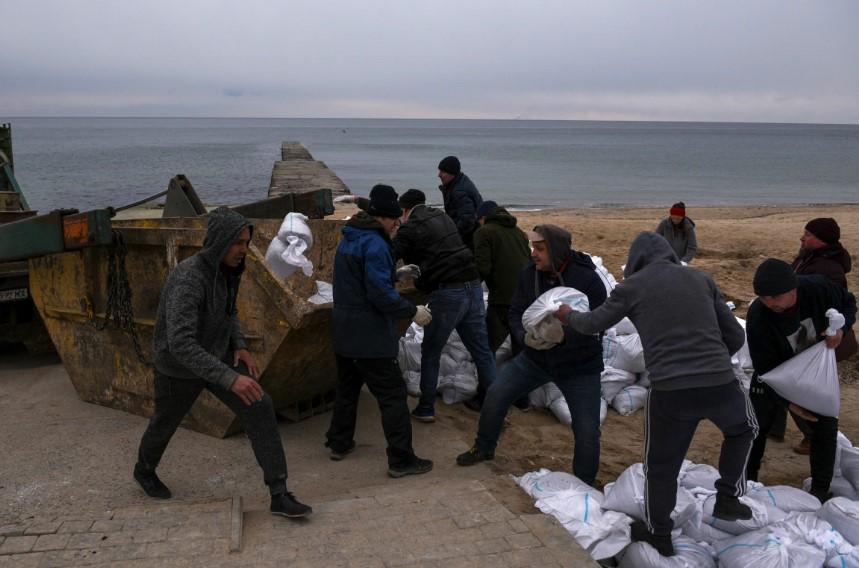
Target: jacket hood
<point x="648" y="248"/>
<point x="836" y="253"/>
<point x="363" y="221"/>
<point x="500" y="216"/>
<point x="559" y="243"/>
<point x="223" y="229"/>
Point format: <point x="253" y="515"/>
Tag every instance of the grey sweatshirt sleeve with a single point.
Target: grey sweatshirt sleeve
<point x="733" y="334"/>
<point x="608" y="314"/>
<point x="691" y="245"/>
<point x="183" y="301"/>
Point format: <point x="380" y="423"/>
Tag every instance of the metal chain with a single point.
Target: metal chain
<point x="119" y="308"/>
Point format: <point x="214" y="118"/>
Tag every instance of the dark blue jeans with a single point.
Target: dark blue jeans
<point x="460" y="308"/>
<point x="581" y="391"/>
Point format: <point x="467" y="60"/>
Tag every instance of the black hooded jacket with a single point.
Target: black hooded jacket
<point x="832" y="261"/>
<point x="578" y="353"/>
<point x="197" y="324"/>
<point x="461" y="202"/>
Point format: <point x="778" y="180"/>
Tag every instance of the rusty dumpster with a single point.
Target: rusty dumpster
<point x="288" y="335"/>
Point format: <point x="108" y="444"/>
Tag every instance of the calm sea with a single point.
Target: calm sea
<point x="96" y="162"/>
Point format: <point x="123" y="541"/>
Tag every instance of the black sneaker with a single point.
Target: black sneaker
<point x="150" y="483"/>
<point x="474" y="456"/>
<point x="662" y="543"/>
<point x="338" y="455"/>
<point x="474" y="404"/>
<point x="729" y="508"/>
<point x="415" y="467"/>
<point x="423" y="414"/>
<point x="286" y="505"/>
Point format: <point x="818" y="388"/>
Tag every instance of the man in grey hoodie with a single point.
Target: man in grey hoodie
<point x="688" y="334"/>
<point x="198" y="344"/>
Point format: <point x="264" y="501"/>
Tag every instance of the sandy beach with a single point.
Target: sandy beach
<point x="732" y="242"/>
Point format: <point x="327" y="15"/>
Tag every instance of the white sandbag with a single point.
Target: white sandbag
<point x="457" y="388"/>
<point x="613" y="380"/>
<point x="295" y="225"/>
<point x="274" y="259"/>
<point x="324" y="293"/>
<point x="549" y="302"/>
<point x="848" y="463"/>
<point x="765" y="549"/>
<point x="849" y="560"/>
<point x="447" y="364"/>
<point x="504" y="353"/>
<point x="543" y="396"/>
<point x="623" y="352"/>
<point x="815" y="531"/>
<point x="629" y="399"/>
<point x="687" y="554"/>
<point x="843" y="515"/>
<point x="625" y="327"/>
<point x="413" y="382"/>
<point x="643" y="379"/>
<point x="561" y="411"/>
<point x="544" y="482"/>
<point x="606" y="277"/>
<point x="698" y="475"/>
<point x="842" y="442"/>
<point x="626" y="495"/>
<point x="742" y="357"/>
<point x="839" y="487"/>
<point x="788" y="499"/>
<point x="809" y="379"/>
<point x="700" y="531"/>
<point x="760" y="516"/>
<point x="603" y="410"/>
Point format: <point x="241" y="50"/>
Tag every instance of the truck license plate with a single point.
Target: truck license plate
<point x="12" y="295"/>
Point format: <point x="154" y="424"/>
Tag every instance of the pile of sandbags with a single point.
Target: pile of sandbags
<point x="624" y="381"/>
<point x="457" y="375"/>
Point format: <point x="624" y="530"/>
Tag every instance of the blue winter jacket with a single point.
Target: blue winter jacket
<point x="366" y="304"/>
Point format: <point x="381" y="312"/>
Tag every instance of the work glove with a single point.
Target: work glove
<point x="408" y="271"/>
<point x="346" y="199"/>
<point x="534" y="342"/>
<point x="423" y="316"/>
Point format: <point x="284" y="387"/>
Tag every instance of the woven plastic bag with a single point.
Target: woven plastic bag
<point x="809" y="380"/>
<point x="549" y="302"/>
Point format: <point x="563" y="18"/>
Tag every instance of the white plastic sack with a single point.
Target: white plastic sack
<point x="848" y="463"/>
<point x="413" y="382"/>
<point x="760" y="516"/>
<point x="295" y="225"/>
<point x="623" y="352"/>
<point x="625" y="327"/>
<point x="687" y="554"/>
<point x="549" y="302"/>
<point x="788" y="499"/>
<point x="698" y="475"/>
<point x="839" y="487"/>
<point x="698" y="530"/>
<point x="764" y="549"/>
<point x="613" y="380"/>
<point x="842" y="442"/>
<point x="603" y="410"/>
<point x="849" y="560"/>
<point x="643" y="379"/>
<point x="843" y="515"/>
<point x="324" y="293"/>
<point x="606" y="277"/>
<point x="626" y="495"/>
<point x="561" y="410"/>
<point x="742" y="357"/>
<point x="809" y="379"/>
<point x="815" y="531"/>
<point x="629" y="399"/>
<point x="285" y="253"/>
<point x="457" y="387"/>
<point x="544" y="482"/>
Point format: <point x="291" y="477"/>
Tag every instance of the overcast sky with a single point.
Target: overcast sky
<point x="721" y="60"/>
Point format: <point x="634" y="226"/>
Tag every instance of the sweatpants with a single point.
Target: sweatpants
<point x="383" y="378"/>
<point x="823" y="438"/>
<point x="174" y="398"/>
<point x="670" y="422"/>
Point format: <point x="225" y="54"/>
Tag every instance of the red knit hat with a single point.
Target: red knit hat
<point x="678" y="209"/>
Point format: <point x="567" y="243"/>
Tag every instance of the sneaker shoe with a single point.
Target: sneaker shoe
<point x="286" y="505"/>
<point x="662" y="543"/>
<point x="423" y="414"/>
<point x="474" y="456"/>
<point x="729" y="508"/>
<point x="150" y="483"/>
<point x="415" y="467"/>
<point x="474" y="404"/>
<point x="803" y="448"/>
<point x="338" y="455"/>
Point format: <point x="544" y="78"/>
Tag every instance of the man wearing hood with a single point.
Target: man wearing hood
<point x="573" y="362"/>
<point x="679" y="231"/>
<point x="364" y="333"/>
<point x="461" y="198"/>
<point x="688" y="334"/>
<point x="198" y="345"/>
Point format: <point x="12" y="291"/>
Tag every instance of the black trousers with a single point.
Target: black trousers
<point x="824" y="433"/>
<point x="779" y="426"/>
<point x="385" y="382"/>
<point x="174" y="398"/>
<point x="670" y="423"/>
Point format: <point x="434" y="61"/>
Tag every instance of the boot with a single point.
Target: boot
<point x="150" y="483"/>
<point x="662" y="543"/>
<point x="729" y="508"/>
<point x="286" y="505"/>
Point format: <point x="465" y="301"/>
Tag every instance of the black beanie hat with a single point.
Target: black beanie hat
<point x="774" y="277"/>
<point x="383" y="202"/>
<point x="411" y="198"/>
<point x="450" y="165"/>
<point x="485" y="208"/>
<point x="824" y="228"/>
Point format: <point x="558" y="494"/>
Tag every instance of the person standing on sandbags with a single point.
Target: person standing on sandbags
<point x="789" y="316"/>
<point x="572" y="361"/>
<point x="688" y="334"/>
<point x="429" y="239"/>
<point x="364" y="333"/>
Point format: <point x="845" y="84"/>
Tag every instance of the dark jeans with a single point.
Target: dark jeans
<point x="174" y="398"/>
<point x="385" y="382"/>
<point x="582" y="393"/>
<point x="823" y="437"/>
<point x="458" y="307"/>
<point x="671" y="418"/>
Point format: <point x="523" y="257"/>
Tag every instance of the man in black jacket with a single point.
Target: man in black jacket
<point x="429" y="239"/>
<point x="787" y="317"/>
<point x="574" y="364"/>
<point x="461" y="198"/>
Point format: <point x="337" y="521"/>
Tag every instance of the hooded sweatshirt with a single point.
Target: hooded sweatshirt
<point x="197" y="326"/>
<point x="687" y="331"/>
<point x="500" y="253"/>
<point x="366" y="303"/>
<point x="578" y="353"/>
<point x="832" y="261"/>
<point x="681" y="237"/>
